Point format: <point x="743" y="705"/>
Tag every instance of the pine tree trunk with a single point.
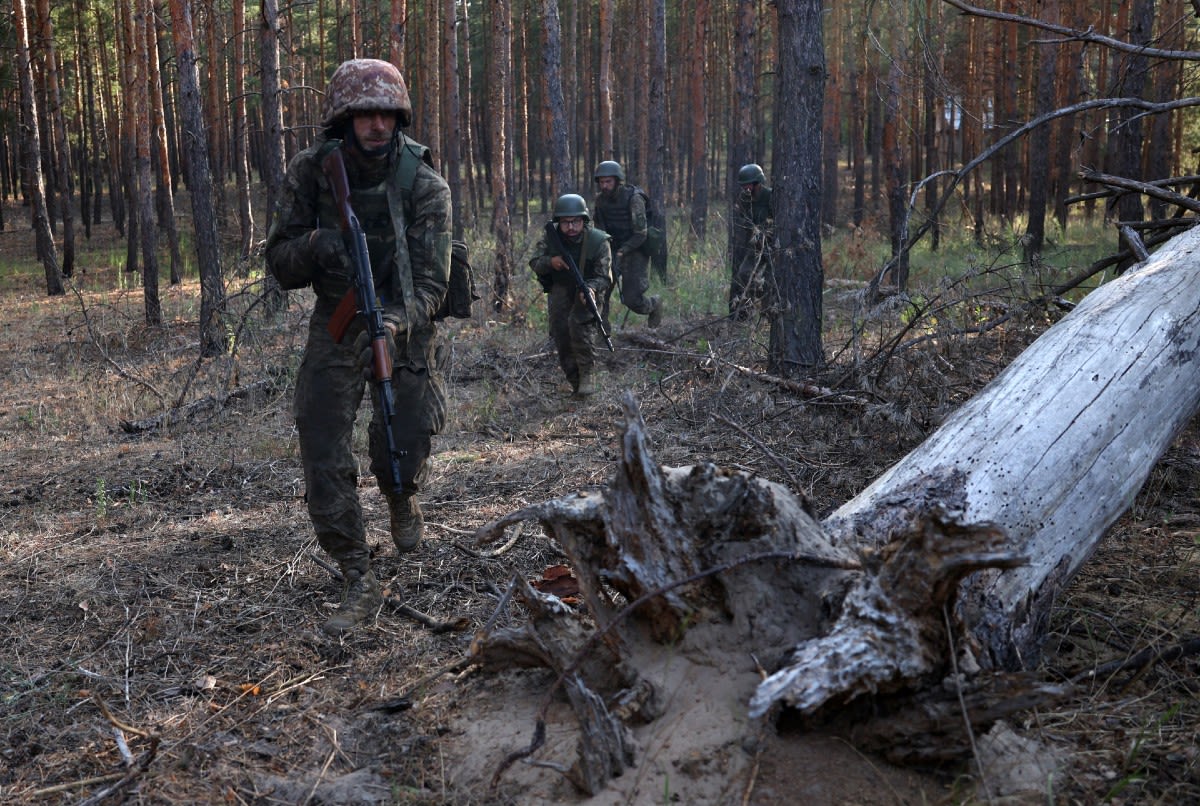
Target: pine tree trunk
<point x="32" y="156"/>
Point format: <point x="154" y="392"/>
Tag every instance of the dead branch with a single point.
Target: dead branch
<point x="1192" y="180"/>
<point x="1146" y="657"/>
<point x="1075" y="34"/>
<point x="177" y="415"/>
<point x="806" y="390"/>
<point x="95" y="338"/>
<point x="1145" y="188"/>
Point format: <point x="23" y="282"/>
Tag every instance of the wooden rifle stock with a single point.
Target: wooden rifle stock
<point x="360" y="300"/>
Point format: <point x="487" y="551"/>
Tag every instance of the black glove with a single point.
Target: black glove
<point x="329" y="250"/>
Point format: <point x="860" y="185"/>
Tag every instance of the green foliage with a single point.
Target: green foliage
<point x="100" y="500"/>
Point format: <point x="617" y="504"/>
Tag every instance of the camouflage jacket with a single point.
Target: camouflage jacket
<point x="592" y="255"/>
<point x="411" y="273"/>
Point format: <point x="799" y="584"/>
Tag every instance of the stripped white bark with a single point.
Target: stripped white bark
<point x="964" y="543"/>
<point x="1056" y="447"/>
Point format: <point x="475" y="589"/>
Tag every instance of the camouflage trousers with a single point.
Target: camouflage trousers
<point x="631" y="272"/>
<point x="329" y="392"/>
<point x="749" y="284"/>
<point x="573" y="331"/>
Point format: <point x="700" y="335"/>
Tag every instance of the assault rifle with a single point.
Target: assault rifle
<point x="361" y="300"/>
<point x="584" y="289"/>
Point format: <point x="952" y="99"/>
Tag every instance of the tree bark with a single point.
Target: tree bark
<point x="64" y="185"/>
<point x="1056" y="447"/>
<point x="698" y="114"/>
<point x="556" y="105"/>
<point x="208" y="255"/>
<point x="272" y="116"/>
<point x="795" y="342"/>
<point x="138" y="28"/>
<point x="163" y="179"/>
<point x="32" y="156"/>
<point x="501" y="72"/>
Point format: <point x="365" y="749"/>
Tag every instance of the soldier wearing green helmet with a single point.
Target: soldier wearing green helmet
<point x="621" y="211"/>
<point x="404" y="208"/>
<point x="753" y="242"/>
<point x="573" y="328"/>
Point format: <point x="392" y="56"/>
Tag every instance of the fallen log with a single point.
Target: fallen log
<point x="1054" y="450"/>
<point x="173" y="416"/>
<point x="938" y="577"/>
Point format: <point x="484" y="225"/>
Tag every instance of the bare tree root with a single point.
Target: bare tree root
<point x="662" y="551"/>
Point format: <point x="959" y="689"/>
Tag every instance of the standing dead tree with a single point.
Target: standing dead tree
<point x="944" y="569"/>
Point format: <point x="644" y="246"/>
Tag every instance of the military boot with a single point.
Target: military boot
<point x="587" y="387"/>
<point x="408" y="524"/>
<point x="360" y="601"/>
<point x="654" y="318"/>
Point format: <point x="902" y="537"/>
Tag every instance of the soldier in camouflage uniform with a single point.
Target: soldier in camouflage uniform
<point x="621" y="212"/>
<point x="408" y="238"/>
<point x="753" y="242"/>
<point x="572" y="326"/>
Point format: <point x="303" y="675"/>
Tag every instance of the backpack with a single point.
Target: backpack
<point x="655" y="245"/>
<point x="461" y="291"/>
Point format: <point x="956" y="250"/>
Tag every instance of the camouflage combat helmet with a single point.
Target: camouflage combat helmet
<point x="363" y="85"/>
<point x="609" y="168"/>
<point x="571" y="205"/>
<point x="749" y="174"/>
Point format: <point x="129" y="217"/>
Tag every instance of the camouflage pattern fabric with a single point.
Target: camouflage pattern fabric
<point x="751" y="252"/>
<point x="625" y="212"/>
<point x="361" y="85"/>
<point x="572" y="327"/>
<point x="330" y="387"/>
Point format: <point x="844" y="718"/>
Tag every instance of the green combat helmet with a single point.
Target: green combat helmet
<point x="571" y="205"/>
<point x="366" y="85"/>
<point x="750" y="174"/>
<point x="609" y="168"/>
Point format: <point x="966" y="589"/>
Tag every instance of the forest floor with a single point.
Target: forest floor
<point x="160" y="588"/>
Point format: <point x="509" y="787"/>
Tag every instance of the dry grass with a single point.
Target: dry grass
<point x="158" y="595"/>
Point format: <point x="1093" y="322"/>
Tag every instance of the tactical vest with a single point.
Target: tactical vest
<point x="583" y="254"/>
<point x="618" y="221"/>
<point x="760" y="207"/>
<point x="383" y="210"/>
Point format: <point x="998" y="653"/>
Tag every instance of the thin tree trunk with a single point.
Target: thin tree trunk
<point x="163" y="180"/>
<point x="113" y="131"/>
<point x="560" y="145"/>
<point x="656" y="112"/>
<point x="897" y="173"/>
<point x="397" y="27"/>
<point x="272" y="115"/>
<point x="604" y="90"/>
<point x="63" y="183"/>
<point x="698" y="126"/>
<point x="451" y="168"/>
<point x="241" y="142"/>
<point x="741" y="146"/>
<point x="138" y="29"/>
<point x="208" y="255"/>
<point x="215" y="111"/>
<point x="129" y="133"/>
<point x="32" y="155"/>
<point x="498" y="95"/>
<point x="469" y="151"/>
<point x="1039" y="147"/>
